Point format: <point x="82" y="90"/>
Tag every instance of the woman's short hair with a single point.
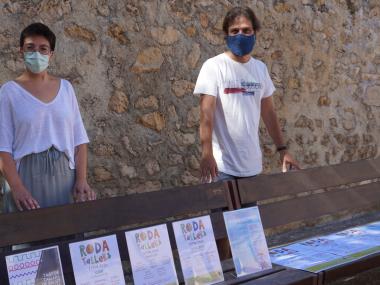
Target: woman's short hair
<point x="38" y="29"/>
<point x="238" y="12"/>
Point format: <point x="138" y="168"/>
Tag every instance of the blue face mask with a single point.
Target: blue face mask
<point x="241" y="44"/>
<point x="36" y="62"/>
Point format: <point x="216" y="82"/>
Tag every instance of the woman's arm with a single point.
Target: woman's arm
<point x="269" y="117"/>
<point x="21" y="196"/>
<point x="82" y="191"/>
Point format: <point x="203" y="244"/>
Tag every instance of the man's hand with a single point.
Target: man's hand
<point x="82" y="192"/>
<point x="23" y="199"/>
<point x="288" y="162"/>
<point x="209" y="169"/>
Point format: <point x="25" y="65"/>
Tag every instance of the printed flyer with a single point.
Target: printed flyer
<point x="197" y="251"/>
<point x="97" y="261"/>
<point x="248" y="245"/>
<point x="38" y="267"/>
<point x="320" y="253"/>
<point x="151" y="256"/>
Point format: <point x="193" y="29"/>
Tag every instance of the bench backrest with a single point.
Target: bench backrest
<point x="309" y="194"/>
<point x="113" y="214"/>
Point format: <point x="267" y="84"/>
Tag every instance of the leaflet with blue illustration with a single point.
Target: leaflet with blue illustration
<point x="37" y="267"/>
<point x="323" y="252"/>
<point x="247" y="239"/>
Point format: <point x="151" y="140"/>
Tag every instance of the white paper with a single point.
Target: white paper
<point x="151" y="256"/>
<point x="97" y="261"/>
<point x="40" y="267"/>
<point x="247" y="239"/>
<point x="197" y="251"/>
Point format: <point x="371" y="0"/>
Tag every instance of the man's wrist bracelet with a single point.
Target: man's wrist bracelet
<point x="281" y="148"/>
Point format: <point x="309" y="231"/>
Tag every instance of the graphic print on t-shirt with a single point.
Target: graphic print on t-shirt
<point x="246" y="88"/>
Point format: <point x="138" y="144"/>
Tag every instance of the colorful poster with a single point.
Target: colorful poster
<point x="197" y="251"/>
<point x="151" y="256"/>
<point x="37" y="267"/>
<point x="97" y="261"/>
<point x="323" y="252"/>
<point x="248" y="245"/>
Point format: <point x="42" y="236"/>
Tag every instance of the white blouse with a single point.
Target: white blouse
<point x="28" y="125"/>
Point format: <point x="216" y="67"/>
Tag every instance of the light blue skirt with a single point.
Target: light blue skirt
<point x="47" y="176"/>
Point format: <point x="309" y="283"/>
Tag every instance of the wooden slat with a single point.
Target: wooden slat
<point x="110" y="213"/>
<point x="3" y="270"/>
<point x="286" y="277"/>
<point x="375" y="163"/>
<point x="314" y="206"/>
<point x="230" y="278"/>
<point x="276" y="185"/>
<point x="352" y="268"/>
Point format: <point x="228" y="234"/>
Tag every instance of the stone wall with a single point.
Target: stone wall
<point x="134" y="63"/>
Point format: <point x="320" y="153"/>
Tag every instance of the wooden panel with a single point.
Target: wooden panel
<point x="276" y="185"/>
<point x="110" y="213"/>
<point x="352" y="268"/>
<point x="286" y="277"/>
<point x="375" y="163"/>
<point x="230" y="277"/>
<point x="3" y="270"/>
<point x="313" y="206"/>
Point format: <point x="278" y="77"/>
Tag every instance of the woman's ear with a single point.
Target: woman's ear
<point x="21" y="52"/>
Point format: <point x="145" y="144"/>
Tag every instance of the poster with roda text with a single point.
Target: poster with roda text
<point x="151" y="256"/>
<point x="97" y="261"/>
<point x="197" y="251"/>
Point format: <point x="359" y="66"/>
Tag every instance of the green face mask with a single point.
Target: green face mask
<point x="36" y="62"/>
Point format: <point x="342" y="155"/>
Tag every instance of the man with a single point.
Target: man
<point x="235" y="90"/>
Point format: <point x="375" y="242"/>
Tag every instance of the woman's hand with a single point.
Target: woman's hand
<point x="23" y="199"/>
<point x="82" y="192"/>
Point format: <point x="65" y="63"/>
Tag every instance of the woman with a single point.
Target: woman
<point x="43" y="143"/>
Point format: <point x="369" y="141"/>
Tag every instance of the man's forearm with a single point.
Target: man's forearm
<point x="207" y="110"/>
<point x="206" y="137"/>
<point x="270" y="119"/>
<point x="274" y="129"/>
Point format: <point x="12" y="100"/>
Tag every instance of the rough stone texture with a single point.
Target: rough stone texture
<point x="134" y="63"/>
<point x="149" y="60"/>
<point x="155" y="121"/>
<point x="118" y="102"/>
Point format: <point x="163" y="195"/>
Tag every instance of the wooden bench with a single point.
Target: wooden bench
<point x="134" y="211"/>
<point x="317" y="201"/>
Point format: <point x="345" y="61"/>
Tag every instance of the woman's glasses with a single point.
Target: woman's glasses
<point x="43" y="49"/>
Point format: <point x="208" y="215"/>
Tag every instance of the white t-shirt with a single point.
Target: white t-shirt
<point x="239" y="88"/>
<point x="28" y="125"/>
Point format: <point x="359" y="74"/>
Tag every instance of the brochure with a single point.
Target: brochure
<point x="197" y="251"/>
<point x="247" y="239"/>
<point x="97" y="261"/>
<point x="39" y="267"/>
<point x="151" y="256"/>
